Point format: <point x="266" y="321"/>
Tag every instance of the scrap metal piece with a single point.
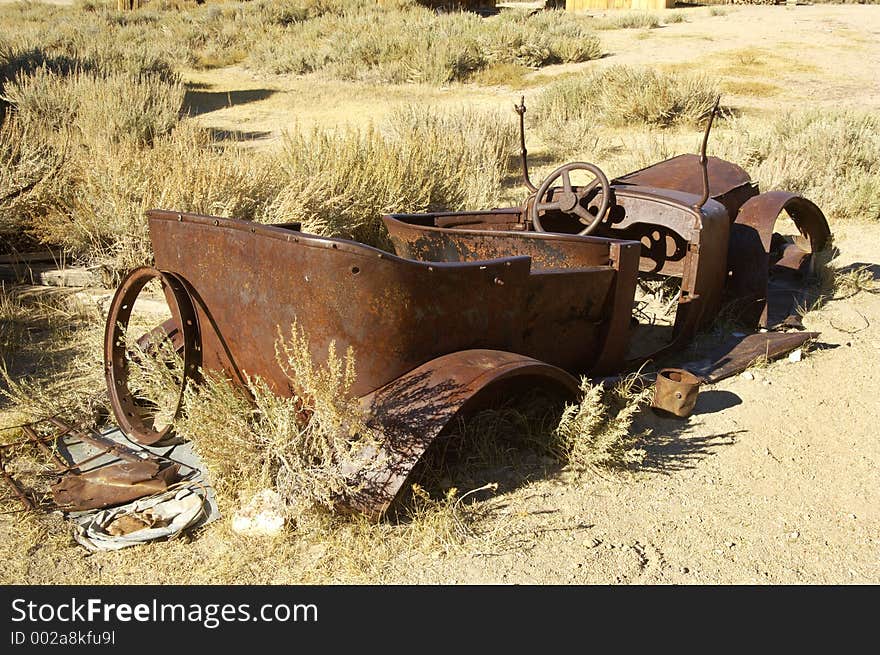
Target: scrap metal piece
<point x="101" y="442"/>
<point x="34" y="438"/>
<point x="729" y="184"/>
<point x="114" y="484"/>
<point x="753" y="348"/>
<point x="676" y="391"/>
<point x="704" y="162"/>
<point x="524" y="155"/>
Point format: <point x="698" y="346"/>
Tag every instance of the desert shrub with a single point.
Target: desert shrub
<point x="548" y="37"/>
<point x="596" y="431"/>
<point x="51" y="356"/>
<point x="114" y="184"/>
<point x="306" y="447"/>
<point x="113" y="106"/>
<point x="831" y="157"/>
<point x="628" y="20"/>
<point x="340" y="184"/>
<point x="30" y="183"/>
<point x="391" y="46"/>
<point x="619" y="96"/>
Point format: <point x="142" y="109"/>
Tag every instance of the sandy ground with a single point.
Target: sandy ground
<point x="773" y="479"/>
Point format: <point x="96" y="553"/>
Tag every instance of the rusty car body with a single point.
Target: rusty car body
<point x="429" y="338"/>
<point x="471" y="305"/>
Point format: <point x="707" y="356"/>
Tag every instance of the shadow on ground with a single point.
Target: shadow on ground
<point x="197" y="102"/>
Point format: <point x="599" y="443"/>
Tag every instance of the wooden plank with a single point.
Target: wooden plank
<point x="49" y="275"/>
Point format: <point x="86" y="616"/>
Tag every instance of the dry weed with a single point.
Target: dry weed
<point x="831" y="157"/>
<point x="569" y="110"/>
<point x="306" y="446"/>
<point x="595" y="433"/>
<point x="340" y="184"/>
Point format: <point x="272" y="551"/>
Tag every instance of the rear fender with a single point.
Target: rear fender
<point x="412" y="410"/>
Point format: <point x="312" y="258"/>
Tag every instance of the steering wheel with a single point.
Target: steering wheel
<point x="569" y="201"/>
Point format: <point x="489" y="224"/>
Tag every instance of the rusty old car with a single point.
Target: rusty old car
<point x="473" y="305"/>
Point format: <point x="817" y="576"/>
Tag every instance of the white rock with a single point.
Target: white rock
<point x="263" y="516"/>
<point x="795" y="356"/>
<point x="746" y="375"/>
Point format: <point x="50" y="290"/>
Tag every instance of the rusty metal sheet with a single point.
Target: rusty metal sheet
<point x="581" y="292"/>
<point x="752" y="348"/>
<point x="413" y="409"/>
<point x="114" y="484"/>
<point x="247" y="281"/>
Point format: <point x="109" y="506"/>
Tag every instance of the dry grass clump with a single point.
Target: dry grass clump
<point x="619" y="96"/>
<point x="339" y="184"/>
<point x="29" y="184"/>
<point x="629" y="20"/>
<point x="831" y="157"/>
<point x="378" y="45"/>
<point x="840" y="283"/>
<point x="50" y="355"/>
<point x="112" y="106"/>
<point x="307" y="447"/>
<point x="596" y="432"/>
<point x="114" y="184"/>
<point x="854" y="281"/>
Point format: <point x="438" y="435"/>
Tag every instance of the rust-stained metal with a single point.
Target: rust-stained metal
<point x="704" y="162"/>
<point x="753" y="348"/>
<point x="123" y="476"/>
<point x="552" y="333"/>
<point x="473" y="303"/>
<point x="41" y="444"/>
<point x="524" y="154"/>
<point x="99" y="441"/>
<point x="570" y="200"/>
<point x="413" y="409"/>
<point x="757" y="255"/>
<point x="249" y="283"/>
<point x="698" y="218"/>
<point x="434" y="336"/>
<point x="676" y="391"/>
<point x="113" y="484"/>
